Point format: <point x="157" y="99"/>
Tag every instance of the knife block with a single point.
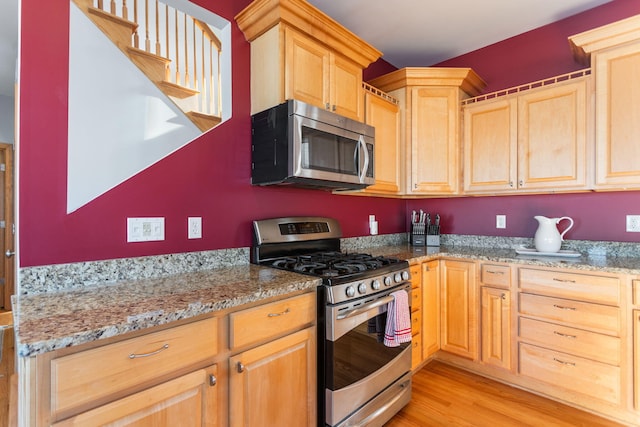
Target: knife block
<point x="417" y="236"/>
<point x="433" y="235"/>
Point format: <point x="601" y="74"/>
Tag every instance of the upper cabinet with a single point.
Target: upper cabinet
<point x="614" y="54"/>
<point x="298" y="52"/>
<point x="429" y="122"/>
<point x="383" y="113"/>
<point x="531" y="138"/>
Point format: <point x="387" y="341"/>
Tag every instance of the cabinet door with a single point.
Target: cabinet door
<point x="435" y="167"/>
<point x="490" y="146"/>
<point x="345" y="95"/>
<point x="496" y="327"/>
<point x="274" y="384"/>
<point x="636" y="361"/>
<point x="384" y="116"/>
<point x="430" y="308"/>
<point x="617" y="125"/>
<point x="306" y="69"/>
<point x="459" y="312"/>
<point x="190" y="400"/>
<point x="552" y="137"/>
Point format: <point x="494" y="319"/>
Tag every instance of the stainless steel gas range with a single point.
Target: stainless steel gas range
<point x="362" y="381"/>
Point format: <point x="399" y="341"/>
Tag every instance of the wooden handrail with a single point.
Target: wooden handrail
<point x="190" y="45"/>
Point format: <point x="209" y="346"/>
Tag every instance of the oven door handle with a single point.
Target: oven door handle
<point x="364" y="309"/>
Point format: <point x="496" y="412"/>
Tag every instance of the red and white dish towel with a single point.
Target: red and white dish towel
<point x="398" y="329"/>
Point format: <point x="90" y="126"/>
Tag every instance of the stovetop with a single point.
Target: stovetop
<point x="311" y="246"/>
<point x="334" y="264"/>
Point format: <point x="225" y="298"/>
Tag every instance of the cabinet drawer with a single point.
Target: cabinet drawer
<point x="496" y="275"/>
<point x="416" y="299"/>
<point x="416" y="275"/>
<point x="584" y="287"/>
<point x="573" y="373"/>
<point x="95" y="374"/>
<point x="603" y="348"/>
<point x="416" y="350"/>
<point x="270" y="320"/>
<point x="416" y="322"/>
<point x="575" y="313"/>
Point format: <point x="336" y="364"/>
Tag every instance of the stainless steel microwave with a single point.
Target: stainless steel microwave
<point x="298" y="144"/>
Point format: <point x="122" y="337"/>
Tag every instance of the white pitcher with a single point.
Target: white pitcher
<point x="547" y="237"/>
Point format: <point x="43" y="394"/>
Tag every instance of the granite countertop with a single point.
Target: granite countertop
<point x="49" y="321"/>
<point x="601" y="263"/>
<point x="62" y="318"/>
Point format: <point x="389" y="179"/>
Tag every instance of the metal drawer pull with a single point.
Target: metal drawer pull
<point x="564" y="363"/>
<point x="562" y="307"/>
<point x="240" y="367"/>
<point x="279" y="314"/>
<point x="495" y="272"/>
<point x="212" y="380"/>
<point x="564" y="280"/>
<point x="565" y="335"/>
<point x="135" y="356"/>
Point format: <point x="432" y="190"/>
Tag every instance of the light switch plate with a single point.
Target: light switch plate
<point x="145" y="229"/>
<point x="195" y="228"/>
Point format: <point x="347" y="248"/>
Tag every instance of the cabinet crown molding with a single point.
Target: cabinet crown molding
<point x="619" y="32"/>
<point x="262" y="15"/>
<point x="464" y="78"/>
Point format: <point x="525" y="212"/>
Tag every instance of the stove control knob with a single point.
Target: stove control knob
<point x="375" y="285"/>
<point x="387" y="281"/>
<point x="397" y="277"/>
<point x="362" y="288"/>
<point x="405" y="275"/>
<point x="350" y="291"/>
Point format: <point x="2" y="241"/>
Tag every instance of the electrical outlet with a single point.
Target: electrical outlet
<point x="633" y="223"/>
<point x="145" y="229"/>
<point x="501" y="221"/>
<point x="195" y="228"/>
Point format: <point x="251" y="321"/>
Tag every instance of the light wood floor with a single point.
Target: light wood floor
<point x="446" y="396"/>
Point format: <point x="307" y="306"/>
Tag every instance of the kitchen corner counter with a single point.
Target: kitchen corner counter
<point x="602" y="263"/>
<point x="54" y="320"/>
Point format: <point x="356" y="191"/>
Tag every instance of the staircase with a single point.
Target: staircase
<point x="185" y="60"/>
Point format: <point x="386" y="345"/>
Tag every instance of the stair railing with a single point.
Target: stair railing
<point x="191" y="46"/>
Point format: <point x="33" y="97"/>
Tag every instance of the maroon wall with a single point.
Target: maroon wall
<point x="531" y="56"/>
<point x="211" y="176"/>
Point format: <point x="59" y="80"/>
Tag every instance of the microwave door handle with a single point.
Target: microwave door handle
<point x="363" y="148"/>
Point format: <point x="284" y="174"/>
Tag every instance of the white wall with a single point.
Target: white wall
<point x="7" y="119"/>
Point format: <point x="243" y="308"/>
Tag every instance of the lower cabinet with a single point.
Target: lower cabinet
<point x="185" y="375"/>
<point x="274" y="384"/>
<point x="496" y="327"/>
<point x="189" y="400"/>
<point x="430" y="308"/>
<point x="416" y="315"/>
<point x="636" y="360"/>
<point x="459" y="311"/>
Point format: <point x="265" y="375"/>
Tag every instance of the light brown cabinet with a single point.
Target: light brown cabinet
<point x="274" y="384"/>
<point x="570" y="328"/>
<point x="273" y="381"/>
<point x="636" y="360"/>
<point x="535" y="140"/>
<point x="613" y="51"/>
<point x="495" y="316"/>
<point x="459" y="308"/>
<point x="430" y="105"/>
<point x="430" y="308"/>
<point x="298" y="52"/>
<point x="167" y="374"/>
<point x="191" y="399"/>
<point x="416" y="315"/>
<point x="383" y="113"/>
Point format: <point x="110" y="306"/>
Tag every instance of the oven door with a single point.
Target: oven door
<point x="329" y="153"/>
<point x="358" y="366"/>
